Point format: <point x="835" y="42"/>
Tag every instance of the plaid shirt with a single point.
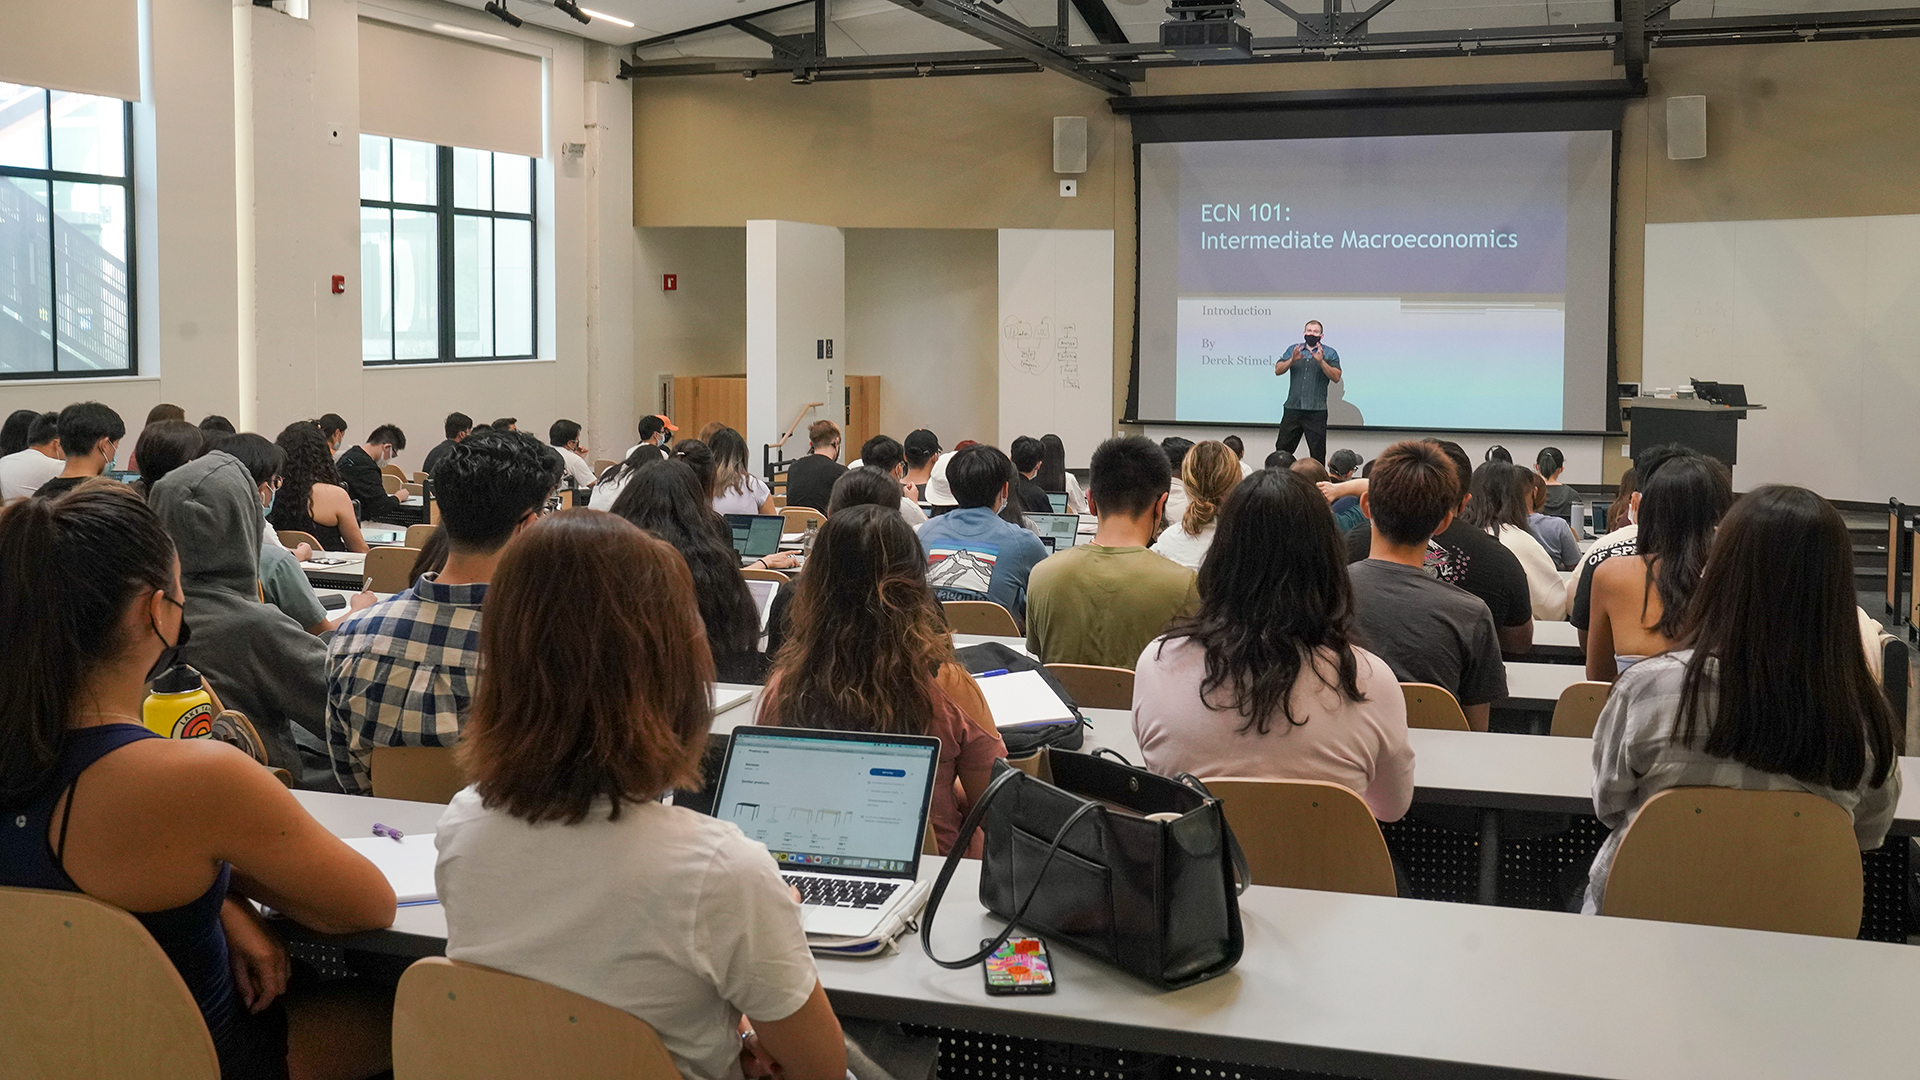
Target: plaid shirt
<point x="401" y="673"/>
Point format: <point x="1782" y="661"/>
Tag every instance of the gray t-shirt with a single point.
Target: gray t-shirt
<point x="1307" y="383"/>
<point x="1428" y="631"/>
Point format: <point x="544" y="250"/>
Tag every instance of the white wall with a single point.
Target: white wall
<point x="1056" y="325"/>
<point x="700" y="328"/>
<point x="796" y="298"/>
<point x="922" y="308"/>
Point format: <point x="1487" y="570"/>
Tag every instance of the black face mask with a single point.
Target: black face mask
<point x="170" y="655"/>
<point x="1312" y="340"/>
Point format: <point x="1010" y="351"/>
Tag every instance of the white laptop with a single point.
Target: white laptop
<point x="1058" y="532"/>
<point x="842" y="812"/>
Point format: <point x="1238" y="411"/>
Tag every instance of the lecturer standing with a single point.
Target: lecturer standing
<point x="1313" y="366"/>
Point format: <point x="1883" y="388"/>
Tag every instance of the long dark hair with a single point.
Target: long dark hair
<point x="643" y="455"/>
<point x="731" y="469"/>
<point x="13" y="434"/>
<point x="698" y="456"/>
<point x="866" y="636"/>
<point x="309" y="462"/>
<point x="1273" y="592"/>
<point x="164" y="446"/>
<point x="1502" y="495"/>
<point x="666" y="499"/>
<point x="1679" y="509"/>
<point x="68" y="569"/>
<point x="1053" y="464"/>
<point x="1622" y="500"/>
<point x="1775" y="617"/>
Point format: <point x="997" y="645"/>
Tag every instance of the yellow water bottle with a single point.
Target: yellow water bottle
<point x="178" y="706"/>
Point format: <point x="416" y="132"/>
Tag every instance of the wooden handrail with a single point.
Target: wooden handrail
<point x="796" y="422"/>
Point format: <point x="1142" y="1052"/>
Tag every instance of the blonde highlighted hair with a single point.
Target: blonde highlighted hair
<point x="1210" y="471"/>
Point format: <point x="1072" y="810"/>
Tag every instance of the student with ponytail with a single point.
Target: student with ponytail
<point x="175" y="831"/>
<point x="1209" y="471"/>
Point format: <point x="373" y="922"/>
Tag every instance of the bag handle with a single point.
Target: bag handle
<point x="967" y="829"/>
<point x="1242" y="873"/>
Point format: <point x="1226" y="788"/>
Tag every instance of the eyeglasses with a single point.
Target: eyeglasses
<point x="552" y="504"/>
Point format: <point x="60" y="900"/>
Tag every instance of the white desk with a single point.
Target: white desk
<point x="1379" y="986"/>
<point x="1537" y="687"/>
<point x="344" y="570"/>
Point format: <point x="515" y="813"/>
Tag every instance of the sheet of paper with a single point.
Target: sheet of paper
<point x="407" y="862"/>
<point x="1022" y="697"/>
<point x="726" y="697"/>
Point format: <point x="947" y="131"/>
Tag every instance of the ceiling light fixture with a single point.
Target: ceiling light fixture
<point x="571" y="10"/>
<point x="498" y="9"/>
<point x="606" y="18"/>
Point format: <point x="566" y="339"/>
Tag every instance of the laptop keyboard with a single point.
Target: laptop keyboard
<point x="841" y="892"/>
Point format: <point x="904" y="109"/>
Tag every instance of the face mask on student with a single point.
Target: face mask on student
<point x="266" y="504"/>
<point x="1312" y="340"/>
<point x="170" y="655"/>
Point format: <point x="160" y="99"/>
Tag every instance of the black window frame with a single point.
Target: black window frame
<point x="51" y="176"/>
<point x="444" y="214"/>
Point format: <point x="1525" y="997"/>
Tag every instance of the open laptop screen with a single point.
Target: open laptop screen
<point x="1059" y="501"/>
<point x="1058" y="532"/>
<point x="755" y="535"/>
<point x="832" y="801"/>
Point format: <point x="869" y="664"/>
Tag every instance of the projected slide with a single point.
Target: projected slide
<point x="1463" y="279"/>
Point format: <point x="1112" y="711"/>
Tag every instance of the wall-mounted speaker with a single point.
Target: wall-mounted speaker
<point x="1069" y="144"/>
<point x="1686" y="128"/>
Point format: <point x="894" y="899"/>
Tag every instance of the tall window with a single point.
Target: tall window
<point x="66" y="237"/>
<point x="446" y="253"/>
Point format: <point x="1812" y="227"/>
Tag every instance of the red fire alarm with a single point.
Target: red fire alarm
<point x="670" y="282"/>
<point x="339" y="284"/>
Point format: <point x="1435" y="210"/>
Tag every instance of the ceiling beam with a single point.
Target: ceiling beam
<point x="996" y="28"/>
<point x="903" y="65"/>
<point x="1099" y="19"/>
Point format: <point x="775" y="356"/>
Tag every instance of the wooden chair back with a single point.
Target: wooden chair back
<point x="413" y="488"/>
<point x="293" y="538"/>
<point x="796" y="518"/>
<point x="982" y="617"/>
<point x="1579" y="709"/>
<point x="1307" y="834"/>
<point x="455" y="1021"/>
<point x="1095" y="687"/>
<point x="754" y="573"/>
<point x="1430" y="706"/>
<point x="1761" y="860"/>
<point x="420" y="477"/>
<point x="415" y="773"/>
<point x="390" y="469"/>
<point x="87" y="993"/>
<point x="601" y="465"/>
<point x="388" y="568"/>
<point x="418" y="535"/>
<point x="393" y="484"/>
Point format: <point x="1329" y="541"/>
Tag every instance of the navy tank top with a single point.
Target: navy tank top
<point x="32" y="852"/>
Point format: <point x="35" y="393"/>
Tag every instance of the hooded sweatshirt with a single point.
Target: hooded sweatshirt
<point x="257" y="659"/>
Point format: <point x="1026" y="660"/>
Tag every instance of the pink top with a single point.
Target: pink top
<point x="1360" y="745"/>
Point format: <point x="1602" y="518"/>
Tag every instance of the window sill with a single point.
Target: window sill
<point x="81" y="380"/>
<point x="441" y="365"/>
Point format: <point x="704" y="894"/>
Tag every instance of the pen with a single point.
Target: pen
<point x="991" y="674"/>
<point x="387" y="831"/>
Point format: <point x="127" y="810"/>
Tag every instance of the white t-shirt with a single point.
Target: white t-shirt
<point x="1076" y="499"/>
<point x="21" y="474"/>
<point x="669" y="914"/>
<point x="749" y="501"/>
<point x="1182" y="547"/>
<point x="1176" y="502"/>
<point x="910" y="510"/>
<point x="606" y="491"/>
<point x="577" y="467"/>
<point x="1545" y="586"/>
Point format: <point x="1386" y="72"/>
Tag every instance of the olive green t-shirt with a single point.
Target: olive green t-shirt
<point x="1101" y="605"/>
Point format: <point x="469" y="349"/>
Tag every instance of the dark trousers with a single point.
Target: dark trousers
<point x="1309" y="422"/>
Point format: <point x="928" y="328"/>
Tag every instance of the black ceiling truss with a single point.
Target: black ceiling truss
<point x="1333" y="33"/>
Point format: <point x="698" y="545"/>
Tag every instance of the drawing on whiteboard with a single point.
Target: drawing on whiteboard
<point x="1024" y="345"/>
<point x="1066" y="355"/>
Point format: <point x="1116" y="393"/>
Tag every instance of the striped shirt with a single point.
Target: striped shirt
<point x="1635" y="758"/>
<point x="402" y="673"/>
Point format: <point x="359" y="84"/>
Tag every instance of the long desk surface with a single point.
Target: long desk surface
<point x="1385" y="987"/>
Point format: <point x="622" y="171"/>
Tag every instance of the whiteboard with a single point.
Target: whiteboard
<point x="1056" y="337"/>
<point x="1820" y="319"/>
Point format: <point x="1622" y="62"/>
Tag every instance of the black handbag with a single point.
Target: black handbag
<point x="1157" y="899"/>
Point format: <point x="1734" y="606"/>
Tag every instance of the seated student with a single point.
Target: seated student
<point x="359" y="470"/>
<point x="668" y="501"/>
<point x="173" y="830"/>
<point x="282" y="583"/>
<point x="160" y="412"/>
<point x="1549" y="464"/>
<point x="657" y="430"/>
<point x="90" y="435"/>
<point x="215" y="425"/>
<point x="864" y="486"/>
<point x="311" y="499"/>
<point x="1468" y="557"/>
<point x="1621" y="541"/>
<point x="39" y="459"/>
<point x="1239" y="448"/>
<point x="881" y="452"/>
<point x="333" y="428"/>
<point x="1770" y="690"/>
<point x="1025" y="495"/>
<point x="1554" y="533"/>
<point x="1265" y="681"/>
<point x="1176" y="449"/>
<point x="568" y="774"/>
<point x="505" y="423"/>
<point x="432" y="558"/>
<point x="810" y="479"/>
<point x="401" y="673"/>
<point x="613" y="481"/>
<point x="164" y="446"/>
<point x="1502" y="497"/>
<point x="1639" y="602"/>
<point x="459" y="425"/>
<point x="868" y="650"/>
<point x="1101" y="602"/>
<point x="972" y="553"/>
<point x="698" y="456"/>
<point x="921" y="448"/>
<point x="13" y="432"/>
<point x="1209" y="472"/>
<point x="1342" y="464"/>
<point x="1279" y="459"/>
<point x="736" y="490"/>
<point x="1425" y="629"/>
<point x="564" y="437"/>
<point x="1053" y="476"/>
